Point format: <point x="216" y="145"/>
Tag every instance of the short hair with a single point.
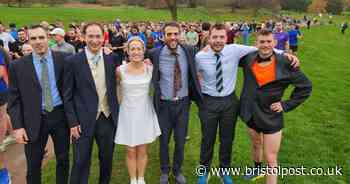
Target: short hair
<point x="92" y="24"/>
<point x="206" y="26"/>
<point x="171" y="24"/>
<point x="217" y="26"/>
<point x="37" y="26"/>
<point x="21" y="30"/>
<point x="264" y="32"/>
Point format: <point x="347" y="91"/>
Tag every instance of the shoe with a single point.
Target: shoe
<point x="5" y="177"/>
<point x="180" y="179"/>
<point x="203" y="179"/>
<point x="253" y="176"/>
<point x="226" y="179"/>
<point x="164" y="179"/>
<point x="141" y="181"/>
<point x="133" y="181"/>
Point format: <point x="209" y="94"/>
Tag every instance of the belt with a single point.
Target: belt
<point x="45" y="112"/>
<point x="175" y="99"/>
<point x="219" y="97"/>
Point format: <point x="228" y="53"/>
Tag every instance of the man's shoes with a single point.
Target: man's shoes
<point x="226" y="179"/>
<point x="164" y="179"/>
<point x="203" y="179"/>
<point x="5" y="177"/>
<point x="180" y="179"/>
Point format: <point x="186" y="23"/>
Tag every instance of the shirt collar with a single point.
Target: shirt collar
<point x="90" y="55"/>
<point x="36" y="57"/>
<point x="211" y="51"/>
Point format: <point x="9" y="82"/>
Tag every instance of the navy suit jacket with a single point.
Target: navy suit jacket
<point x="25" y="94"/>
<point x="80" y="96"/>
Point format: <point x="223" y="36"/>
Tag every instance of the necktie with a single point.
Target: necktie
<point x="45" y="85"/>
<point x="177" y="74"/>
<point x="94" y="59"/>
<point x="219" y="78"/>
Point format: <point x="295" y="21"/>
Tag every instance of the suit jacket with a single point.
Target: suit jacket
<point x="256" y="101"/>
<point x="80" y="96"/>
<point x="193" y="84"/>
<point x="25" y="97"/>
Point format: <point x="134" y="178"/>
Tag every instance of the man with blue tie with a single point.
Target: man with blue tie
<point x="217" y="68"/>
<point x="91" y="106"/>
<point x="36" y="108"/>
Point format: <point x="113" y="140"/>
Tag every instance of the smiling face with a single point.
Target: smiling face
<point x="172" y="36"/>
<point x="265" y="44"/>
<point x="94" y="38"/>
<point x="136" y="51"/>
<point x="217" y="39"/>
<point x="38" y="40"/>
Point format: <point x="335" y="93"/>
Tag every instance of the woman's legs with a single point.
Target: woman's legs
<point x="142" y="159"/>
<point x="272" y="144"/>
<point x="131" y="162"/>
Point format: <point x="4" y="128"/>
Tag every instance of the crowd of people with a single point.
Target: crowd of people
<point x="133" y="83"/>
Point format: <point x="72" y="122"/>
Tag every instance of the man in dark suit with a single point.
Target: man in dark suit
<point x="266" y="77"/>
<point x="36" y="108"/>
<point x="90" y="102"/>
<point x="175" y="83"/>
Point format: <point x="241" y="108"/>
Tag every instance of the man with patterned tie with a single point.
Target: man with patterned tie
<point x="91" y="106"/>
<point x="175" y="84"/>
<point x="217" y="69"/>
<point x="36" y="108"/>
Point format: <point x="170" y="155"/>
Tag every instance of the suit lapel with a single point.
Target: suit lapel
<point x="86" y="69"/>
<point x="57" y="66"/>
<point x="108" y="71"/>
<point x="30" y="68"/>
<point x="279" y="67"/>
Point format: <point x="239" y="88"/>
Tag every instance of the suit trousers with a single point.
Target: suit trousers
<point x="173" y="116"/>
<point x="53" y="124"/>
<point x="82" y="149"/>
<point x="214" y="113"/>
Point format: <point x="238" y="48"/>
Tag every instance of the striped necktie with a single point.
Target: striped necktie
<point x="45" y="85"/>
<point x="219" y="78"/>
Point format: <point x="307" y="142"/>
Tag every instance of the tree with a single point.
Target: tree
<point x="295" y="5"/>
<point x="318" y="6"/>
<point x="172" y="6"/>
<point x="335" y="6"/>
<point x="192" y="3"/>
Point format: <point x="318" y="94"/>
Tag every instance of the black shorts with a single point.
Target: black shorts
<point x="265" y="130"/>
<point x="3" y="98"/>
<point x="294" y="48"/>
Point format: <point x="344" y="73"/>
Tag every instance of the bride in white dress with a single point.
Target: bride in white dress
<point x="137" y="123"/>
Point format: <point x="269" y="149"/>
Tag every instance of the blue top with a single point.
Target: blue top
<point x="3" y="86"/>
<point x="52" y="78"/>
<point x="293" y="37"/>
<point x="230" y="57"/>
<point x="157" y="39"/>
<point x="166" y="68"/>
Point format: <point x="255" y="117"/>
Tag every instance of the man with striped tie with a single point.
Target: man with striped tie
<point x="217" y="68"/>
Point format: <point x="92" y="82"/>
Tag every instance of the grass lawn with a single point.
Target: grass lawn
<point x="315" y="135"/>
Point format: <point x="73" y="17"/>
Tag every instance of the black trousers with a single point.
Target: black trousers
<point x="214" y="113"/>
<point x="55" y="125"/>
<point x="82" y="150"/>
<point x="173" y="116"/>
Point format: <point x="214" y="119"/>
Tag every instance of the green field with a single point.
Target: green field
<point x="317" y="134"/>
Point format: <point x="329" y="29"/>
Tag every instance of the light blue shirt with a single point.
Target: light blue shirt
<point x="166" y="68"/>
<point x="230" y="57"/>
<point x="52" y="78"/>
